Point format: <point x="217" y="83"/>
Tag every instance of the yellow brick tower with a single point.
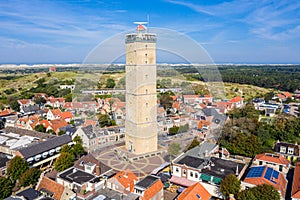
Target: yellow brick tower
<point x="141" y="99"/>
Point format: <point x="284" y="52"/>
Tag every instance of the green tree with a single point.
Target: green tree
<point x="173" y="130"/>
<point x="16" y="167"/>
<point x="30" y="177"/>
<point x="105" y="120"/>
<point x="64" y="161"/>
<point x="110" y="83"/>
<point x="6" y="187"/>
<point x="65" y="149"/>
<point x="166" y="100"/>
<point x="40" y="128"/>
<point x="77" y="150"/>
<point x="193" y="144"/>
<point x="40" y="100"/>
<point x="69" y="97"/>
<point x="13" y="102"/>
<point x="264" y="191"/>
<point x="40" y="81"/>
<point x="246" y="195"/>
<point x="174" y="149"/>
<point x="61" y="132"/>
<point x="77" y="139"/>
<point x="50" y="131"/>
<point x="230" y="185"/>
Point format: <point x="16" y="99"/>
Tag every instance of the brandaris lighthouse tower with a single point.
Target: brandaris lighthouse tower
<point x="141" y="99"/>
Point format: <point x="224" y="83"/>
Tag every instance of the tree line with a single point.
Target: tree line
<point x="245" y="135"/>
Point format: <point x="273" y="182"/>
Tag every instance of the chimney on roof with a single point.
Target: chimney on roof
<point x="98" y="171"/>
<point x="126" y="174"/>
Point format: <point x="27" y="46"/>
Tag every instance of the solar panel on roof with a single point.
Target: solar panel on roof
<point x="256" y="172"/>
<point x="275" y="174"/>
<point x="268" y="174"/>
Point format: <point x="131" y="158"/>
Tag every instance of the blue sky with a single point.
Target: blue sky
<point x="238" y="31"/>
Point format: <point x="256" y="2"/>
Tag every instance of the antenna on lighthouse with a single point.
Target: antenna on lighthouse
<point x="148" y="20"/>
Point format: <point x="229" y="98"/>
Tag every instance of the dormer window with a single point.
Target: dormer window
<point x="290" y="150"/>
<point x="282" y="149"/>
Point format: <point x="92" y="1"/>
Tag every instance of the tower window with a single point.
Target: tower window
<point x="146" y="61"/>
<point x="146" y="91"/>
<point x="147" y="104"/>
<point x="146" y="76"/>
<point x="146" y="54"/>
<point x="146" y="118"/>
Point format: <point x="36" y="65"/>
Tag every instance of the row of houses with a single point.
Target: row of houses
<point x="207" y="164"/>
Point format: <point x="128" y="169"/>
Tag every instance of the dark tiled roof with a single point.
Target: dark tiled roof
<point x="21" y="131"/>
<point x="147" y="182"/>
<point x="70" y="130"/>
<point x="191" y="161"/>
<point x="221" y="168"/>
<point x="217" y="117"/>
<point x="210" y="112"/>
<point x="29" y="193"/>
<point x="88" y="130"/>
<point x="45" y="146"/>
<point x="33" y="108"/>
<point x="3" y="160"/>
<point x="77" y="176"/>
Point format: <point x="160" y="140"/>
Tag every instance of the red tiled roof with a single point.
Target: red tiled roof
<point x="221" y="104"/>
<point x="52" y="186"/>
<point x="81" y="105"/>
<point x="173" y="97"/>
<point x="5" y="112"/>
<point x="296" y="182"/>
<point x="280" y="184"/>
<point x="236" y="99"/>
<point x="24" y="101"/>
<point x="280" y="96"/>
<point x="126" y="178"/>
<point x="66" y="115"/>
<point x="181" y="181"/>
<point x="287" y="94"/>
<point x="190" y="96"/>
<point x="153" y="190"/>
<point x="52" y="99"/>
<point x="202" y="123"/>
<point x="194" y="192"/>
<point x="90" y="122"/>
<point x="52" y="69"/>
<point x="56" y="111"/>
<point x="57" y="124"/>
<point x="68" y="105"/>
<point x="176" y="105"/>
<point x="279" y="159"/>
<point x="45" y="123"/>
<point x="89" y="158"/>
